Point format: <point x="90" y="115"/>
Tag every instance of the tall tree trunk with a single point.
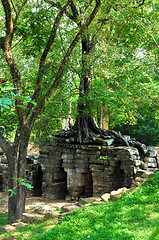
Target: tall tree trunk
<point x="17" y="171"/>
<point x="85" y="129"/>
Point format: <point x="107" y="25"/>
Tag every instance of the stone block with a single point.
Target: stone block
<point x="137" y="162"/>
<point x="31" y="218"/>
<point x="94" y="147"/>
<point x="139" y="172"/>
<point x="67" y="157"/>
<point x="68" y="165"/>
<point x="152" y="160"/>
<point x="150" y="169"/>
<point x="139" y="179"/>
<point x="7" y="228"/>
<point x="143" y="165"/>
<point x="94" y="167"/>
<point x="105" y="197"/>
<point x="152" y="153"/>
<point x="18" y="224"/>
<point x="81" y="165"/>
<point x="146" y="159"/>
<point x="147" y="174"/>
<point x="44" y="209"/>
<point x="152" y="165"/>
<point x="79" y="160"/>
<point x="70" y="208"/>
<point x="117" y="194"/>
<point x="94" y="160"/>
<point x="89" y="200"/>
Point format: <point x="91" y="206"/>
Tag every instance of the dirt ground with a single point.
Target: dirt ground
<point x="31" y="202"/>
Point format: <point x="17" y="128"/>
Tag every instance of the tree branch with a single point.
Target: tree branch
<point x="58" y="6"/>
<point x="56" y="82"/>
<point x="13" y="7"/>
<point x="148" y="33"/>
<point x="138" y="3"/>
<point x="74" y="10"/>
<point x="43" y="58"/>
<point x="6" y="46"/>
<point x="18" y="13"/>
<point x="9" y="23"/>
<point x="88" y="5"/>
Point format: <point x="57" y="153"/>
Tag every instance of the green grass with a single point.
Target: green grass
<point x="3" y="219"/>
<point x="134" y="216"/>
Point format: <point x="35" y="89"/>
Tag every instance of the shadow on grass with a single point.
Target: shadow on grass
<point x="30" y="231"/>
<point x="3" y="219"/>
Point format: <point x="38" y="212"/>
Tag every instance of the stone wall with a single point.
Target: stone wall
<point x="75" y="170"/>
<point x="34" y="174"/>
<point x="88" y="170"/>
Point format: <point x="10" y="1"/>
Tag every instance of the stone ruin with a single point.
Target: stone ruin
<point x="33" y="172"/>
<point x="75" y="170"/>
<point x="69" y="170"/>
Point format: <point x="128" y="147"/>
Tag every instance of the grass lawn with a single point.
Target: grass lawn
<point x="133" y="216"/>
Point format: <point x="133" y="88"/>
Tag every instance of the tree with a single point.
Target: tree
<point x="28" y="111"/>
<point x="130" y="75"/>
<point x="85" y="130"/>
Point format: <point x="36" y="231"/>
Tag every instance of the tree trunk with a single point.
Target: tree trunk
<point x="85" y="129"/>
<point x="17" y="170"/>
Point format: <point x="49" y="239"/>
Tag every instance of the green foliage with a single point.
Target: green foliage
<point x="154" y="233"/>
<point x="6" y="98"/>
<point x="11" y="192"/>
<point x="21" y="182"/>
<point x="146" y="128"/>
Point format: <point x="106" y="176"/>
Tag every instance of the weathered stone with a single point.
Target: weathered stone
<point x="105" y="197"/>
<point x="137" y="162"/>
<point x="89" y="200"/>
<point x="143" y="165"/>
<point x="140" y="172"/>
<point x="67" y="157"/>
<point x="152" y="165"/>
<point x="147" y="174"/>
<point x="93" y="160"/>
<point x="150" y="169"/>
<point x="139" y="179"/>
<point x="30" y="218"/>
<point x="18" y="224"/>
<point x="81" y="165"/>
<point x="117" y="194"/>
<point x="70" y="207"/>
<point x="54" y="215"/>
<point x="94" y="167"/>
<point x="43" y="209"/>
<point x="7" y="228"/>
